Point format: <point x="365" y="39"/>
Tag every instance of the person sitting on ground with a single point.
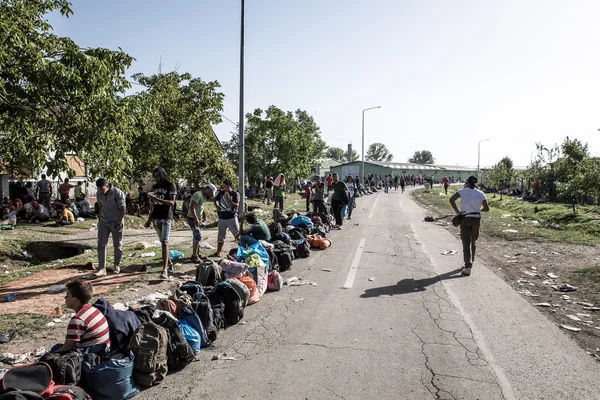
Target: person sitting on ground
<point x="258" y="231"/>
<point x="65" y="216"/>
<point x="73" y="207"/>
<point x="10" y="218"/>
<point x="88" y="330"/>
<point x="132" y="207"/>
<point x="40" y="213"/>
<point x="17" y="204"/>
<point x="84" y="207"/>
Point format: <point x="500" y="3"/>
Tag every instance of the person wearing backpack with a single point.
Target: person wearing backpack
<point x="227" y="202"/>
<point x="472" y="203"/>
<point x="88" y="329"/>
<point x="162" y="203"/>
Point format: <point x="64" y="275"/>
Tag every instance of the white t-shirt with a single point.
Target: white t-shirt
<point x="471" y="201"/>
<point x="350" y="186"/>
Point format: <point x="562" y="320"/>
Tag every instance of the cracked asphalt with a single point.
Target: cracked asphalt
<point x="409" y="327"/>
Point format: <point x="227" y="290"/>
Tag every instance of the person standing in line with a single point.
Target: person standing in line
<point x="308" y="194"/>
<point x="269" y="190"/>
<point x="195" y="213"/>
<point x="227" y="202"/>
<point x="64" y="190"/>
<point x="337" y="200"/>
<point x="162" y="203"/>
<point x="319" y="197"/>
<point x="402" y="183"/>
<point x="78" y="191"/>
<point x="44" y="191"/>
<point x="472" y="203"/>
<point x="352" y="191"/>
<point x="329" y="182"/>
<point x="279" y="191"/>
<point x="111" y="213"/>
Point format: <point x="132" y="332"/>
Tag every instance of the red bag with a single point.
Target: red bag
<point x="35" y="378"/>
<point x="275" y="281"/>
<point x="68" y="392"/>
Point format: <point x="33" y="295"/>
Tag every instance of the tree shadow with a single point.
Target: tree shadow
<point x="411" y="285"/>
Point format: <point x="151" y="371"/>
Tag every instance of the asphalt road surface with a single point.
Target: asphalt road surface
<point x="394" y="319"/>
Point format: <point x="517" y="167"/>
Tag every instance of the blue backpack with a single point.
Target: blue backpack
<point x="191" y="335"/>
<point x="302" y="220"/>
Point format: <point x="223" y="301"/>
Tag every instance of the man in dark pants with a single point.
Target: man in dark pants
<point x="319" y="197"/>
<point x="472" y="203"/>
<point x="337" y="201"/>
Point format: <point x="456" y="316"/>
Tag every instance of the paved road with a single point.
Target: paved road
<point x="406" y="334"/>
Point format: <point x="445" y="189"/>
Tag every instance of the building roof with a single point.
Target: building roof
<point x="421" y="167"/>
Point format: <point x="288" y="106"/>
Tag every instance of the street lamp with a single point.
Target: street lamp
<point x="241" y="171"/>
<point x="479" y="151"/>
<point x="362" y="172"/>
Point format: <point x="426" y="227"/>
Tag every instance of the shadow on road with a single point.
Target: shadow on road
<point x="411" y="285"/>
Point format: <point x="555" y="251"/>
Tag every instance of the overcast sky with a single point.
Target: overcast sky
<point x="446" y="73"/>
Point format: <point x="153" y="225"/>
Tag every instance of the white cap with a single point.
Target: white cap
<point x="213" y="188"/>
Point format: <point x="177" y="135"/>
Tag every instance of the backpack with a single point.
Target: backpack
<point x="149" y="345"/>
<point x="320" y="229"/>
<point x="316" y="219"/>
<point x="302" y="249"/>
<point x="65" y="366"/>
<point x="188" y="314"/>
<point x="302" y="221"/>
<point x="201" y="305"/>
<point x="298" y="233"/>
<point x="68" y="392"/>
<point x="208" y="273"/>
<point x="233" y="309"/>
<point x="282" y="237"/>
<point x="193" y="288"/>
<point x="242" y="290"/>
<point x="179" y="352"/>
<point x="274" y="265"/>
<point x="327" y="219"/>
<point x="275" y="228"/>
<point x="36" y="378"/>
<point x="284" y="255"/>
<point x="275" y="282"/>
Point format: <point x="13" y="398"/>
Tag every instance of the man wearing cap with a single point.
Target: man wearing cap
<point x="471" y="202"/>
<point x="195" y="213"/>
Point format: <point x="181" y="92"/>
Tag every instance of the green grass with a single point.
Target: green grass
<point x="505" y="213"/>
<point x="590" y="277"/>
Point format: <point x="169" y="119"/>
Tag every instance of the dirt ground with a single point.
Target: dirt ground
<point x="525" y="265"/>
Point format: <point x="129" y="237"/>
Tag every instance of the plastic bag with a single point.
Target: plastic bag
<point x="191" y="335"/>
<point x="343" y="211"/>
<point x="175" y="255"/>
<point x="255" y="248"/>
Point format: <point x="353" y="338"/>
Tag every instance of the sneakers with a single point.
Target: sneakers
<point x="116" y="270"/>
<point x="100" y="273"/>
<point x="164" y="276"/>
<point x="467" y="271"/>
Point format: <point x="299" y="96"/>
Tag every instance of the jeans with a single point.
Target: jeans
<point x="195" y="231"/>
<point x="469" y="232"/>
<point x="278" y="202"/>
<point x="247" y="241"/>
<point x="163" y="229"/>
<point x="336" y="206"/>
<point x="105" y="228"/>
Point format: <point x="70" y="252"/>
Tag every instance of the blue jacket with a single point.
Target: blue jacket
<point x="121" y="324"/>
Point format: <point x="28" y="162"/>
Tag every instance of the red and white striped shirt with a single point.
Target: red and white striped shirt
<point x="88" y="328"/>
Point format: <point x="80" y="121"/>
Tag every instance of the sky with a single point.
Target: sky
<point x="446" y="74"/>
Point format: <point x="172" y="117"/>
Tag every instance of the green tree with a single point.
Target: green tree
<point x="281" y="142"/>
<point x="336" y="153"/>
<point x="176" y="128"/>
<point x="422" y="157"/>
<point x="56" y="97"/>
<point x="379" y="152"/>
<point x="355" y="156"/>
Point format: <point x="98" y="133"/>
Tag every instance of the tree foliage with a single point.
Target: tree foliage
<point x="422" y="157"/>
<point x="355" y="156"/>
<point x="336" y="153"/>
<point x="500" y="173"/>
<point x="277" y="141"/>
<point x="379" y="152"/>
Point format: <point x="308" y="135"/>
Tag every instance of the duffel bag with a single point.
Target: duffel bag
<point x="109" y="377"/>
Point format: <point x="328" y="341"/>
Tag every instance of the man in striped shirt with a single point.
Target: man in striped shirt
<point x="88" y="329"/>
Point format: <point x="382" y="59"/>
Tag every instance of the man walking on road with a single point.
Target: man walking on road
<point x="195" y="213"/>
<point x="110" y="215"/>
<point x="162" y="202"/>
<point x="471" y="202"/>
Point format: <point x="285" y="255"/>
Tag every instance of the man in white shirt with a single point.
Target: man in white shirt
<point x="472" y="203"/>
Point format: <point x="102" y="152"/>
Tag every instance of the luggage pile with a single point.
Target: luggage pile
<point x="148" y="342"/>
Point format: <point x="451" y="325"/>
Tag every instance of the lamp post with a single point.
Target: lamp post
<point x="362" y="172"/>
<point x="479" y="151"/>
<point x="241" y="171"/>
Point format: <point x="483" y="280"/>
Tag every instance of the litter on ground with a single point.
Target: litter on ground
<point x="570" y="328"/>
<point x="449" y="252"/>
